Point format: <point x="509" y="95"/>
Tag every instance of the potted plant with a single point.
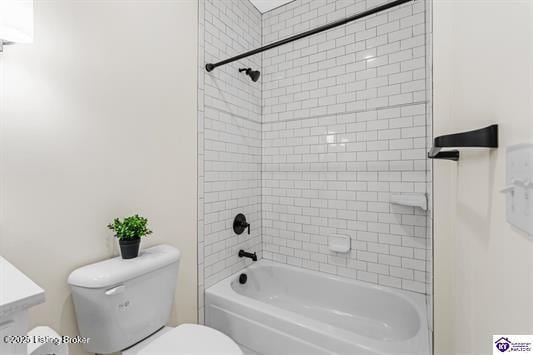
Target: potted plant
<point x="129" y="232"/>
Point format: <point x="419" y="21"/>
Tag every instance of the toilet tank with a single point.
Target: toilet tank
<point x="120" y="302"/>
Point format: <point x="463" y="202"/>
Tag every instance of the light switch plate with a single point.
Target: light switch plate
<point x="519" y="189"/>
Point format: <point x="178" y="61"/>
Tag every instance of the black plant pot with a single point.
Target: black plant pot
<point x="129" y="248"/>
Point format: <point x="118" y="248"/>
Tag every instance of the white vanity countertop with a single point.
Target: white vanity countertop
<point x="17" y="291"/>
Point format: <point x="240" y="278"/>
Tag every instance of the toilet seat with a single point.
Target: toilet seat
<point x="192" y="339"/>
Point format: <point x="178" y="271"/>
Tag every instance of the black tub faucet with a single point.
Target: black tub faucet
<point x="243" y="254"/>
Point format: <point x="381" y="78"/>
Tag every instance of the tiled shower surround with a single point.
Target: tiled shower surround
<point x="337" y="122"/>
<point x="229" y="142"/>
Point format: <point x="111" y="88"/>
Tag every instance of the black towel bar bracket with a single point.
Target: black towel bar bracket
<point x="481" y="138"/>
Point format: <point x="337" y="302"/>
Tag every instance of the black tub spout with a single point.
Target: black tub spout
<point x="243" y="254"/>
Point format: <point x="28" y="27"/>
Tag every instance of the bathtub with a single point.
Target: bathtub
<point x="283" y="310"/>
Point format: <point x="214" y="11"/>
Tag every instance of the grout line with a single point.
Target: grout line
<point x="379" y="108"/>
<point x="232" y="114"/>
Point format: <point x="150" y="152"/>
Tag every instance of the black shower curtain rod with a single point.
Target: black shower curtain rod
<point x="210" y="66"/>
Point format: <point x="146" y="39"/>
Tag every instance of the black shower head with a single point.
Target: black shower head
<point x="253" y="74"/>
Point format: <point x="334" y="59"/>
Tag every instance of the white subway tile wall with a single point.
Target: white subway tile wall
<point x="337" y="122"/>
<point x="344" y="126"/>
<point x="230" y="140"/>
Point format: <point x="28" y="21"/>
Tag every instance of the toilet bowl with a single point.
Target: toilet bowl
<point x="124" y="305"/>
<point x="186" y="339"/>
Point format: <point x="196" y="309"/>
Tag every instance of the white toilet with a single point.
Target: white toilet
<point x="124" y="305"/>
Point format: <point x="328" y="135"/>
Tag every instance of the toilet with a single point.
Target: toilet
<point x="191" y="339"/>
<point x="124" y="305"/>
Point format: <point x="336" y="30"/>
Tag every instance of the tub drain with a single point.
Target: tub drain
<point x="243" y="278"/>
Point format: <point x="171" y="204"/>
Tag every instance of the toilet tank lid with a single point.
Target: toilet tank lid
<point x="114" y="271"/>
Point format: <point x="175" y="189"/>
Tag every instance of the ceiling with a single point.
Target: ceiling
<point x="267" y="5"/>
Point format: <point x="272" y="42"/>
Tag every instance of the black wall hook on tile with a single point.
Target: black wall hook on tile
<point x="482" y="138"/>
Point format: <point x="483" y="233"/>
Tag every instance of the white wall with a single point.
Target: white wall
<point x="97" y="120"/>
<point x="483" y="74"/>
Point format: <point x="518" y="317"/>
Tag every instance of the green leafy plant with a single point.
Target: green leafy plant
<point x="129" y="228"/>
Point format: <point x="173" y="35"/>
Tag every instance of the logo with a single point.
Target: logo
<point x="503" y="344"/>
<point x="512" y="343"/>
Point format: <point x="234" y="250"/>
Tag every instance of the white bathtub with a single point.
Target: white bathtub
<point x="283" y="310"/>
